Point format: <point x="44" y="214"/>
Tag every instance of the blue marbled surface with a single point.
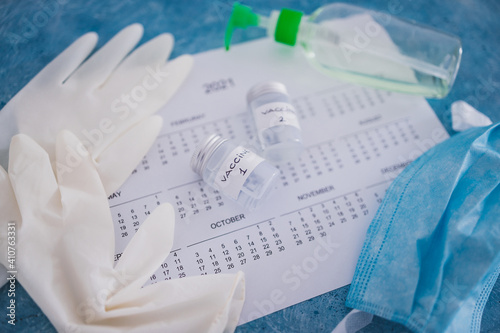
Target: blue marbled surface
<point x="32" y="33"/>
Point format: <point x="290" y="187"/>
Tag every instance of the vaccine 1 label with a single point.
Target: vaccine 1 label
<point x="235" y="169"/>
<point x="275" y="114"/>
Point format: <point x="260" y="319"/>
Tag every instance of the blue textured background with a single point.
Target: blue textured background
<point x="32" y="33"/>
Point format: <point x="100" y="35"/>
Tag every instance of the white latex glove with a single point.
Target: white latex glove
<point x="106" y="101"/>
<point x="65" y="249"/>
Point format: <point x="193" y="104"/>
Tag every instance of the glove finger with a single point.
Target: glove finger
<point x="153" y="241"/>
<point x="176" y="72"/>
<point x="163" y="82"/>
<point x="8" y="203"/>
<point x="59" y="69"/>
<point x="10" y="215"/>
<point x="99" y="66"/>
<point x="142" y="62"/>
<point x="54" y="73"/>
<point x="33" y="183"/>
<point x="130" y="147"/>
<point x="212" y="303"/>
<point x="86" y="213"/>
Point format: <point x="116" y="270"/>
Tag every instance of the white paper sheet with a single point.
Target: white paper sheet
<point x="306" y="238"/>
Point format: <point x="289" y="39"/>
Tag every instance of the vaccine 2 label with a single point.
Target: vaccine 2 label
<point x="235" y="169"/>
<point x="275" y="114"/>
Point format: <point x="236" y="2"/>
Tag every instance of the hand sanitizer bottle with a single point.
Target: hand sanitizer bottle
<point x="362" y="46"/>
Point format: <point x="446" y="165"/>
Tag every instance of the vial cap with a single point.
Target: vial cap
<point x="203" y="152"/>
<point x="287" y="26"/>
<point x="265" y="88"/>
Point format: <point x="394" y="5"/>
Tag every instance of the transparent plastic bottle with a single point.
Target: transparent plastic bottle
<point x="276" y="121"/>
<point x="234" y="170"/>
<point x="364" y="46"/>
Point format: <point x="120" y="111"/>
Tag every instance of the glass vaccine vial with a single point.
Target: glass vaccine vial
<point x="236" y="171"/>
<point x="276" y="120"/>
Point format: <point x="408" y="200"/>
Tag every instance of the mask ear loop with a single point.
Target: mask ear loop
<point x="353" y="322"/>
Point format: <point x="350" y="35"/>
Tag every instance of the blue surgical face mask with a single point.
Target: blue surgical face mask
<point x="432" y="253"/>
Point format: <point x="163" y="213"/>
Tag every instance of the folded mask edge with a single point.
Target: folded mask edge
<point x="477" y="315"/>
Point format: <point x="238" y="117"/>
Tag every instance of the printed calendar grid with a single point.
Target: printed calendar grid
<point x="376" y="140"/>
<point x="300" y="227"/>
<point x="183" y="141"/>
<point x="319" y="159"/>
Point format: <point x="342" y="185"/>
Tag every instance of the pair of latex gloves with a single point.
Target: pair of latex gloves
<point x="84" y="125"/>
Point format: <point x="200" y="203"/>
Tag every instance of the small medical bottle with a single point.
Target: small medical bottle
<point x="276" y="120"/>
<point x="234" y="170"/>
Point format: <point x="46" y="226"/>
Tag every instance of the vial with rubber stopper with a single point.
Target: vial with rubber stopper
<point x="276" y="120"/>
<point x="235" y="171"/>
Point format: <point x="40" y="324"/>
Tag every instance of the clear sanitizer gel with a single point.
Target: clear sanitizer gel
<point x="236" y="171"/>
<point x="362" y="46"/>
<point x="276" y="120"/>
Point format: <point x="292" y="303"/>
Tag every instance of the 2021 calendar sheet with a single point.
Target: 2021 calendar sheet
<point x="305" y="239"/>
